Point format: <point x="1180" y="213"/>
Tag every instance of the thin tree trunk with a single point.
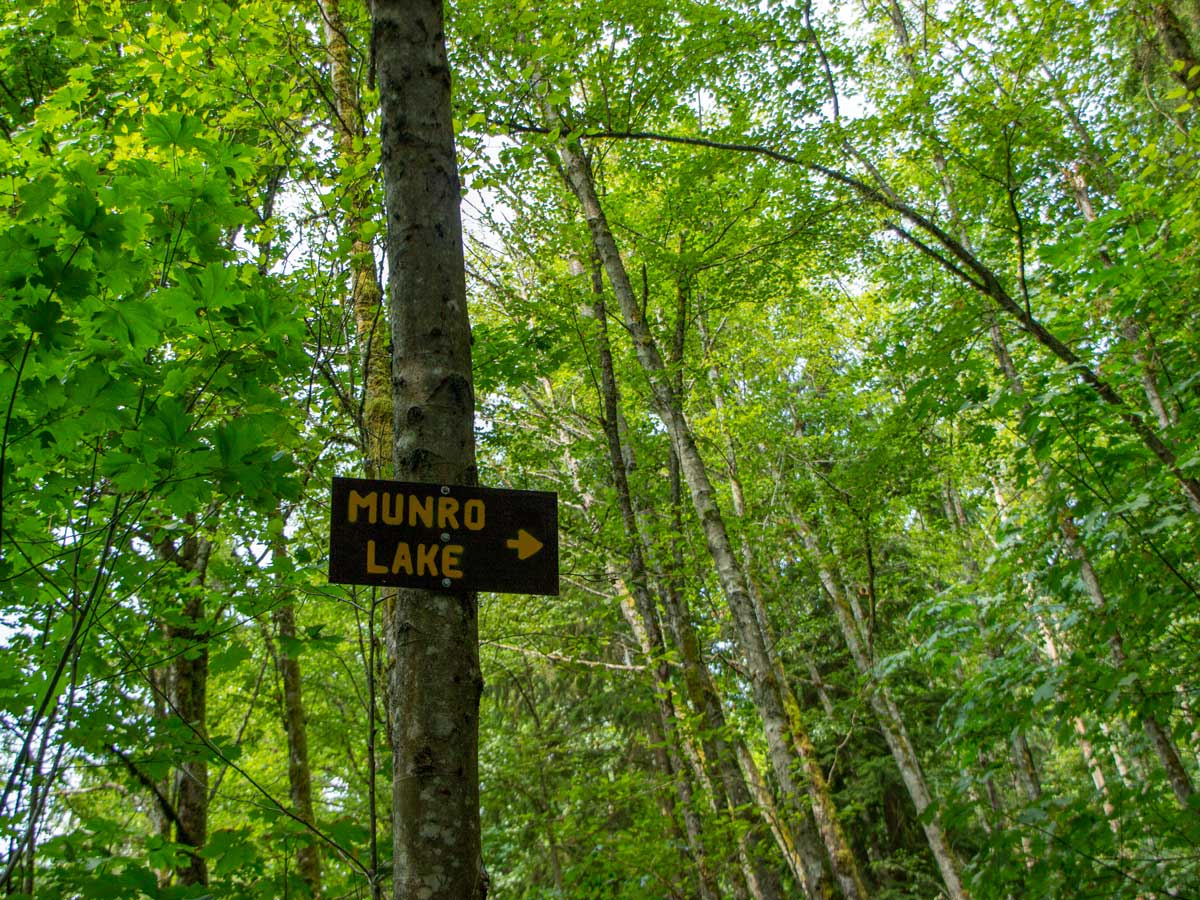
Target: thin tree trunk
<point x="812" y="879"/>
<point x="1131" y="331"/>
<point x="640" y="614"/>
<point x="738" y="495"/>
<point x="1184" y="64"/>
<point x="188" y="694"/>
<point x="433" y="637"/>
<point x="1097" y="773"/>
<point x="1023" y="764"/>
<point x="1128" y="778"/>
<point x="778" y="707"/>
<point x="795" y="835"/>
<point x="308" y="857"/>
<point x="1160" y="738"/>
<point x="1168" y="29"/>
<point x="160" y="688"/>
<point x="794" y="831"/>
<point x="891" y="723"/>
<point x="1189" y="716"/>
<point x="1027" y="775"/>
<point x="1081" y="731"/>
<point x="551" y="835"/>
<point x="373" y="413"/>
<point x="1162" y="742"/>
<point x="374" y="416"/>
<point x="645" y="630"/>
<point x="762" y="880"/>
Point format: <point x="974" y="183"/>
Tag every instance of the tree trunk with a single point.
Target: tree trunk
<point x="744" y="789"/>
<point x="373" y="412"/>
<point x="435" y="678"/>
<point x="812" y="871"/>
<point x="1163" y="743"/>
<point x="1160" y="739"/>
<point x="160" y="819"/>
<point x="797" y="839"/>
<point x="891" y="723"/>
<point x="650" y="640"/>
<point x="776" y="703"/>
<point x="374" y="416"/>
<point x="762" y="880"/>
<point x="1024" y="767"/>
<point x="295" y="722"/>
<point x="1189" y="716"/>
<point x="1131" y="331"/>
<point x="1184" y="65"/>
<point x="1081" y="732"/>
<point x="189" y="701"/>
<point x="640" y="613"/>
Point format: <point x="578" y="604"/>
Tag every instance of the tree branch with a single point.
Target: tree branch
<point x="168" y="808"/>
<point x="985" y="280"/>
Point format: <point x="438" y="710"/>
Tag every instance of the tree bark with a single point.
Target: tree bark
<point x="435" y="680"/>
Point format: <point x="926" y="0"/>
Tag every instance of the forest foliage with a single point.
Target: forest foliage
<point x="860" y="342"/>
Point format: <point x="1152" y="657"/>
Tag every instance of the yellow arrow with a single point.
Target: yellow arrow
<point x="525" y="544"/>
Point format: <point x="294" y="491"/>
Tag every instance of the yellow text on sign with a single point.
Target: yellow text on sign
<point x="398" y="508"/>
<point x="418" y="559"/>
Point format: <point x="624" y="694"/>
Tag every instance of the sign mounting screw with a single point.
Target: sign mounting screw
<point x="445" y="490"/>
<point x="446" y="582"/>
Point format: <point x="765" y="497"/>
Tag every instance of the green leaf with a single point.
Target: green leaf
<point x="1046" y="691"/>
<point x="36" y="196"/>
<point x="170" y="423"/>
<point x="235" y="441"/>
<point x="171" y="130"/>
<point x="43" y="317"/>
<point x="80" y="208"/>
<point x="132" y="322"/>
<point x="230" y="850"/>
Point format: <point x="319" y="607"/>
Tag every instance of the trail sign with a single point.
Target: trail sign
<point x="443" y="537"/>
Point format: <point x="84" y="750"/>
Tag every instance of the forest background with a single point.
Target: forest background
<point x="860" y="342"/>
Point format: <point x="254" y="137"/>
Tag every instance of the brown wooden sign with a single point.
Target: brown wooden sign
<point x="443" y="537"/>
